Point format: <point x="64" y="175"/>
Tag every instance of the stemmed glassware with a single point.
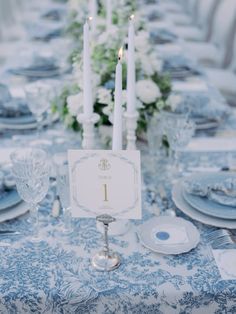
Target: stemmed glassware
<point x="63" y="190"/>
<point x="154" y="137"/>
<point x="31" y="172"/>
<point x="38" y="100"/>
<point x="179" y="130"/>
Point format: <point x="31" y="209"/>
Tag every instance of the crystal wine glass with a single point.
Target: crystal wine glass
<point x="63" y="190"/>
<point x="179" y="132"/>
<point x="31" y="172"/>
<point x="38" y="99"/>
<point x="154" y="136"/>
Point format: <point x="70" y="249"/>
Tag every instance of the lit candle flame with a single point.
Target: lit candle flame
<point x="120" y="53"/>
<point x="90" y="18"/>
<point x="131" y="17"/>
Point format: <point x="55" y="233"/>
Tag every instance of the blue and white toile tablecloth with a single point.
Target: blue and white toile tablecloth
<point x="57" y="276"/>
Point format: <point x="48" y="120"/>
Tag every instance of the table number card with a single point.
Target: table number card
<point x="105" y="182"/>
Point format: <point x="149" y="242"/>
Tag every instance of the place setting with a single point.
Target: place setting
<point x="180" y="68"/>
<point x="11" y="204"/>
<point x="28" y="112"/>
<point x="208" y="198"/>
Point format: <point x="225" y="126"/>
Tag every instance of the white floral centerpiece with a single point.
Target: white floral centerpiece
<point x="152" y="89"/>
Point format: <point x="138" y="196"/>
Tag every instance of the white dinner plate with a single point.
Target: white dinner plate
<point x="177" y="196"/>
<point x="207" y="125"/>
<point x="157" y="225"/>
<point x="15" y="212"/>
<point x="26" y="126"/>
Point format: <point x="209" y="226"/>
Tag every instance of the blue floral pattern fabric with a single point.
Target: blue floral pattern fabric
<point x="57" y="276"/>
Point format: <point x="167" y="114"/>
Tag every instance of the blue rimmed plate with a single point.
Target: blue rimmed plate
<point x="8" y="199"/>
<point x="205" y="205"/>
<point x="186" y="208"/>
<point x="18" y="120"/>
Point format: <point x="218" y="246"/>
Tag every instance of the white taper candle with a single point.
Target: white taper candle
<point x="117" y="121"/>
<point x="131" y="80"/>
<point x="87" y="78"/>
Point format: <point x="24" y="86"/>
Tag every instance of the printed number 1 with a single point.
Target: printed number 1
<point x="105" y="193"/>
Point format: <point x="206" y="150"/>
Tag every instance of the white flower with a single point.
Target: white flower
<point x="104" y="96"/>
<point x="96" y="80"/>
<point x="139" y="104"/>
<point x="73" y="5"/>
<point x="124" y="97"/>
<point x="75" y="103"/>
<point x="68" y="120"/>
<point x="173" y="101"/>
<point x="146" y="66"/>
<point x="78" y="74"/>
<point x="142" y="41"/>
<point x="109" y="111"/>
<point x="107" y="37"/>
<point x="147" y="91"/>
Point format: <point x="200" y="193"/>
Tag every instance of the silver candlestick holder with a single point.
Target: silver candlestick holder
<point x="88" y="141"/>
<point x="131" y="126"/>
<point x="106" y="260"/>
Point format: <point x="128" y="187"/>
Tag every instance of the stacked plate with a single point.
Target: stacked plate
<point x="162" y="36"/>
<point x="40" y="67"/>
<point x="206" y="112"/>
<point x="14" y="112"/>
<point x="204" y="208"/>
<point x="11" y="205"/>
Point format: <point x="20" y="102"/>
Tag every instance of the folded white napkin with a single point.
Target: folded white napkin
<point x="211" y="145"/>
<point x="190" y="86"/>
<point x="226" y="263"/>
<point x="5" y="154"/>
<point x="17" y="91"/>
<point x="167" y="234"/>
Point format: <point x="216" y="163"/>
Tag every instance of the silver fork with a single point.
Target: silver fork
<point x="226" y="240"/>
<point x="216" y="234"/>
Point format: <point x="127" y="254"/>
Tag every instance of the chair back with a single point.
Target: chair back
<point x="223" y="28"/>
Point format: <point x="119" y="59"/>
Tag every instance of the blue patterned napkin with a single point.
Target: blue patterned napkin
<point x="4" y="94"/>
<point x="54" y="14"/>
<point x="43" y="32"/>
<point x="7" y="181"/>
<point x="13" y="108"/>
<point x="179" y="64"/>
<point x="162" y="36"/>
<point x="202" y="108"/>
<point x="222" y="192"/>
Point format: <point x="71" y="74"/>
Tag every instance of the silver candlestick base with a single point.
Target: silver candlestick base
<point x="106" y="260"/>
<point x="88" y="141"/>
<point x="131" y="126"/>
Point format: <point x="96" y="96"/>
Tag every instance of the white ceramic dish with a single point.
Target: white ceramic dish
<point x="15" y="212"/>
<point x="24" y="126"/>
<point x="147" y="231"/>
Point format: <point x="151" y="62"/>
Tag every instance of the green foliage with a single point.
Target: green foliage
<point x="75" y="30"/>
<point x="59" y="105"/>
<point x="164" y="83"/>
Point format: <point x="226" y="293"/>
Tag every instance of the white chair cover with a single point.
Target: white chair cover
<point x="216" y="51"/>
<point x="202" y="31"/>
